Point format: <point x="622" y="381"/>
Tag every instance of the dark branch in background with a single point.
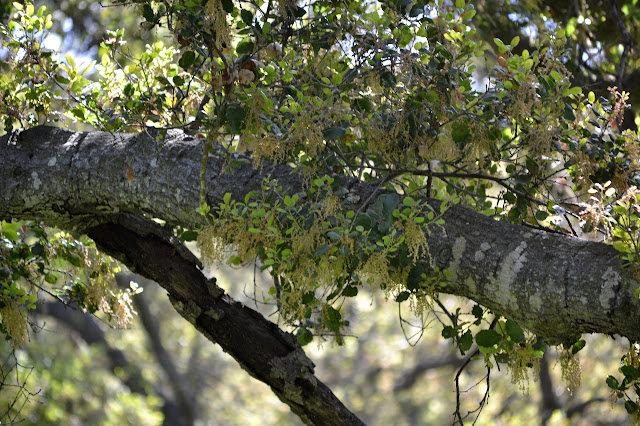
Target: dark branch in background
<point x="411" y="377"/>
<point x="86" y="326"/>
<point x="580" y="407"/>
<point x="626" y="41"/>
<point x="550" y="401"/>
<point x="180" y="387"/>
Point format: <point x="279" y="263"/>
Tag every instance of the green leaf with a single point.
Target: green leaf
<point x="568" y="113"/>
<point x="61" y="79"/>
<point x="630" y="406"/>
<point x="304" y="337"/>
<point x="178" y="80"/>
<point x="514" y="331"/>
<point x="510" y="197"/>
<point x="501" y="46"/>
<point x="187" y="59"/>
<point x="477" y="312"/>
<point x="487" y="338"/>
<point x="247" y="17"/>
<point x="11" y="230"/>
<point x="227" y="5"/>
<point x="323" y="249"/>
<point x="226" y="198"/>
<point x="129" y="90"/>
<point x="350" y="291"/>
<point x="333" y="235"/>
<point x="37" y="249"/>
<point x="147" y="13"/>
<point x="630" y="372"/>
<point x="334" y="132"/>
<point x="469" y="14"/>
<point x="577" y="347"/>
<point x="363" y="220"/>
<point x="621" y="247"/>
<point x="556" y="75"/>
<point x="528" y="64"/>
<point x="402" y="296"/>
<point x="333" y="318"/>
<point x="298" y="11"/>
<point x="466" y="341"/>
<point x="390" y="202"/>
<point x="573" y="91"/>
<point x="613" y="383"/>
<point x="308" y="297"/>
<point x="364" y="104"/>
<point x="74" y="260"/>
<point x="387" y="78"/>
<point x="244" y="47"/>
<point x="448" y="332"/>
<point x="189" y="235"/>
<point x="415" y="277"/>
<point x="541" y="215"/>
<point x="250" y="195"/>
<point x="235" y="113"/>
<point x="460" y="4"/>
<point x="51" y="279"/>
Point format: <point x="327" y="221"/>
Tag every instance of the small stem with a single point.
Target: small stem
<point x="208" y="145"/>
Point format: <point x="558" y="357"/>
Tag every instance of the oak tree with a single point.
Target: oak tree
<point x="342" y="146"/>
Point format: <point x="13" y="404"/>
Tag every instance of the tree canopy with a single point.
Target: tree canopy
<point x="411" y="148"/>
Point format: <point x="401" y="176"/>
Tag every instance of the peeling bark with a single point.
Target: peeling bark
<point x="555" y="285"/>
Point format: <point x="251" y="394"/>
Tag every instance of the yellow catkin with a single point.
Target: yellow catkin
<point x="570" y="370"/>
<point x="218" y="22"/>
<point x="521" y="359"/>
<point x="14" y="322"/>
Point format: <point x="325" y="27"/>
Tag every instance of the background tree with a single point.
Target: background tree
<point x="381" y="133"/>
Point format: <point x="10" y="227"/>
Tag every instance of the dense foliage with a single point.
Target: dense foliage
<point x="408" y="96"/>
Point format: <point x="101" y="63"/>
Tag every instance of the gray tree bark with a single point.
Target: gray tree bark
<point x="557" y="286"/>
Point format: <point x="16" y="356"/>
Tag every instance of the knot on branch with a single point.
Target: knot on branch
<point x="296" y="370"/>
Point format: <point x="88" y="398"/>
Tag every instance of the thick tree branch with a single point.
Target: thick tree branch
<point x="260" y="347"/>
<point x="557" y="286"/>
